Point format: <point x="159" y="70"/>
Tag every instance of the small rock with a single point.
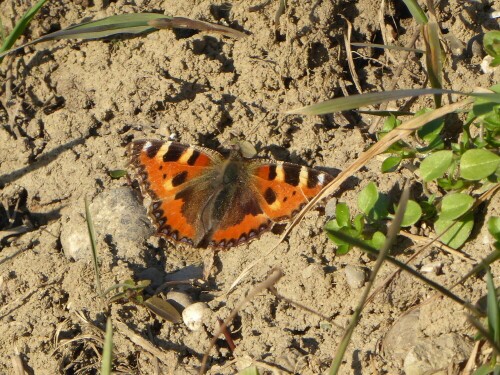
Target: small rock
<point x="485" y="65"/>
<point x="330" y="207"/>
<point x="313" y="271"/>
<point x="432" y="354"/>
<point x="402" y="336"/>
<point x="119" y="219"/>
<point x="194" y="315"/>
<point x="355" y="276"/>
<point x="434" y="267"/>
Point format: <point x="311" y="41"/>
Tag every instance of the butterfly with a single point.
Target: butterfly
<point x="206" y="200"/>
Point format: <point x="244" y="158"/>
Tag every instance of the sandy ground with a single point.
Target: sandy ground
<point x="69" y="110"/>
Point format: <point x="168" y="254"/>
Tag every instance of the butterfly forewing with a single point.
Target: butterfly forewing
<point x="167" y="172"/>
<point x="284" y="188"/>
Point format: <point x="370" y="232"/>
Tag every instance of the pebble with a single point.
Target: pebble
<point x="194" y="315"/>
<point x="402" y="336"/>
<point x="355" y="276"/>
<point x="434" y="267"/>
<point x="431" y="354"/>
<point x="119" y="218"/>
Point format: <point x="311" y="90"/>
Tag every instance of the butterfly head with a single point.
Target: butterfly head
<point x="242" y="149"/>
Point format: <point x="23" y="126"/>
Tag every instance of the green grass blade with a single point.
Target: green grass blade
<point x="107" y="351"/>
<point x="493" y="310"/>
<point x="134" y="23"/>
<point x="355" y="101"/>
<point x="20" y="27"/>
<point x="416" y="11"/>
<point x="92" y="236"/>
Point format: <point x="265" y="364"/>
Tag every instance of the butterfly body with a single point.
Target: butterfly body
<point x="201" y="198"/>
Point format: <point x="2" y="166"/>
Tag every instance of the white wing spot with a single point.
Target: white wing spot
<point x="321" y="178"/>
<point x="146" y="146"/>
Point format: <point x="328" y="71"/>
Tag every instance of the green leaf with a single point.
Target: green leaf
<point x="342" y="215"/>
<point x="342" y="249"/>
<point x="429" y="210"/>
<point x="117" y="173"/>
<point x="363" y="100"/>
<point x="332" y="225"/>
<point x="412" y="214"/>
<point x="455" y="205"/>
<point x="390" y="123"/>
<point x="134" y="23"/>
<point x="359" y="223"/>
<point x="377" y="240"/>
<point x="367" y="198"/>
<point x="163" y="309"/>
<point x="491" y="43"/>
<point x="486" y="369"/>
<point x="391" y="163"/>
<point x="435" y="165"/>
<point x="458" y="233"/>
<point x="478" y="164"/>
<point x="381" y="209"/>
<point x="494" y="227"/>
<point x="346" y="231"/>
<point x="430" y="131"/>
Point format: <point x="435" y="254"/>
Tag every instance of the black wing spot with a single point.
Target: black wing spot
<point x="270" y="196"/>
<point x="194" y="156"/>
<point x="179" y="178"/>
<point x="153" y="149"/>
<point x="164" y="175"/>
<point x="292" y="174"/>
<point x="272" y="172"/>
<point x="173" y="154"/>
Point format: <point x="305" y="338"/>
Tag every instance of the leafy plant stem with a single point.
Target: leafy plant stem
<point x="382" y="254"/>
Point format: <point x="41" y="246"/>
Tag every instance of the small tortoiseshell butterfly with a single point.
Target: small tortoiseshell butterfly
<point x="201" y="198"/>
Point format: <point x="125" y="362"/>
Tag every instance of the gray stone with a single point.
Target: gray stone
<point x="401" y="337"/>
<point x="432" y="354"/>
<point x="355" y="276"/>
<point x="119" y="218"/>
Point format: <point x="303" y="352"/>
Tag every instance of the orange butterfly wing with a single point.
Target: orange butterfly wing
<point x="274" y="192"/>
<point x="165" y="170"/>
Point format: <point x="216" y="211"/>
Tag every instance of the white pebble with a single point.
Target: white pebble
<point x="434" y="267"/>
<point x="194" y="314"/>
<point x="355" y="276"/>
